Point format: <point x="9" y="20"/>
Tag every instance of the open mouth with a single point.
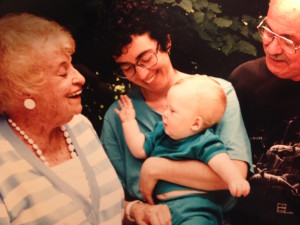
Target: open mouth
<point x="75" y="94"/>
<point x="148" y="81"/>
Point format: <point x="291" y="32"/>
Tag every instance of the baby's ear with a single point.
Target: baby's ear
<point x="198" y="124"/>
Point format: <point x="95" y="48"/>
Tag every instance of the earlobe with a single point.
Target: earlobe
<point x="198" y="124"/>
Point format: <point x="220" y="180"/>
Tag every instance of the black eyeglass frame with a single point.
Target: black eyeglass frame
<point x="119" y="72"/>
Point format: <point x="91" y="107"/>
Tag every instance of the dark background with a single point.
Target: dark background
<point x="80" y="17"/>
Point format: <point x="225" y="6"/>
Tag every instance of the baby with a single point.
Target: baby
<point x="195" y="105"/>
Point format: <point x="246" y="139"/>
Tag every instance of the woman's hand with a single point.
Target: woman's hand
<point x="148" y="179"/>
<point x="151" y="214"/>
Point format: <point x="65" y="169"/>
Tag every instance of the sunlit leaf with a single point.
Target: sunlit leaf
<point x="214" y="7"/>
<point x="198" y="5"/>
<point x="164" y="1"/>
<point x="222" y="22"/>
<point x="186" y="5"/>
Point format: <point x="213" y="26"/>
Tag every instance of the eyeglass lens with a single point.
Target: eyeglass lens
<point x="268" y="36"/>
<point x="148" y="60"/>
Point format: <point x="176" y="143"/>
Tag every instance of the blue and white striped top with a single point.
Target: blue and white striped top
<point x="31" y="193"/>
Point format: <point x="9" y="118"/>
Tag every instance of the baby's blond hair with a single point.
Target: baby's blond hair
<point x="207" y="96"/>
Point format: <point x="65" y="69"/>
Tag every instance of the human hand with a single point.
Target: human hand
<point x="127" y="112"/>
<point x="148" y="180"/>
<point x="240" y="187"/>
<point x="144" y="213"/>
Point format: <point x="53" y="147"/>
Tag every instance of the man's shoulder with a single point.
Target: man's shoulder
<point x="250" y="74"/>
<point x="250" y="68"/>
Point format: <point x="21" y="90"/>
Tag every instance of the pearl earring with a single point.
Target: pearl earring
<point x="29" y="103"/>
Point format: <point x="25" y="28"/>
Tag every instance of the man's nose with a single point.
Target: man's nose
<point x="274" y="48"/>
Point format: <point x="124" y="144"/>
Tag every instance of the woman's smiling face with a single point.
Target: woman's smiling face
<point x="154" y="79"/>
<point x="59" y="96"/>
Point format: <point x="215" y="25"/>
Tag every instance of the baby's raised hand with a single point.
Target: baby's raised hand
<point x="240" y="187"/>
<point x="127" y="112"/>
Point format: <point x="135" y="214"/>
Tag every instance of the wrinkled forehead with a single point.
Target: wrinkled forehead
<point x="284" y="16"/>
<point x="54" y="45"/>
<point x="288" y="9"/>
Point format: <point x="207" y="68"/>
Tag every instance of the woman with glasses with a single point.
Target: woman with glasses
<point x="140" y="42"/>
<point x="269" y="91"/>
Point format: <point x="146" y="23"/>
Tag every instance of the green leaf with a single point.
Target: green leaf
<point x="198" y="5"/>
<point x="204" y="35"/>
<point x="214" y="7"/>
<point x="236" y="24"/>
<point x="247" y="48"/>
<point x="186" y="5"/>
<point x="222" y="22"/>
<point x="199" y="17"/>
<point x="214" y="45"/>
<point x="256" y="36"/>
<point x="209" y="15"/>
<point x="250" y="19"/>
<point x="245" y="31"/>
<point x="229" y="43"/>
<point x="164" y="1"/>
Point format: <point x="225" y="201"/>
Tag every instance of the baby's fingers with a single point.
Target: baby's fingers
<point x="117" y="111"/>
<point x="126" y="100"/>
<point x="246" y="188"/>
<point x="240" y="188"/>
<point x="121" y="104"/>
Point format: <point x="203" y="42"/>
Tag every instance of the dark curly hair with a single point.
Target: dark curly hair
<point x="129" y="17"/>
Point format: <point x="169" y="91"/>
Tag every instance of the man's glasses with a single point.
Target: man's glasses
<point x="268" y="36"/>
<point x="146" y="60"/>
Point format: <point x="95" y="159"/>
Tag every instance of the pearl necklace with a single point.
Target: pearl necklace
<point x="36" y="148"/>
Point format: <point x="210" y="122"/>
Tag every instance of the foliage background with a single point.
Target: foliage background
<point x="210" y="37"/>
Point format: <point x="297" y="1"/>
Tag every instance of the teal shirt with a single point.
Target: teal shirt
<point x="202" y="146"/>
<point x="231" y="130"/>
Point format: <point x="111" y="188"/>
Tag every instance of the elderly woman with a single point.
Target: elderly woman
<point x="53" y="169"/>
<point x="140" y="42"/>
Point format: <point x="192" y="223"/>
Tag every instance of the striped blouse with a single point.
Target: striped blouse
<point x="31" y="193"/>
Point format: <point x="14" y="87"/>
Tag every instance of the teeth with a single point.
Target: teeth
<point x="75" y="94"/>
<point x="151" y="79"/>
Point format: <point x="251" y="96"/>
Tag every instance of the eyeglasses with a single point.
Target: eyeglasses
<point x="268" y="36"/>
<point x="147" y="60"/>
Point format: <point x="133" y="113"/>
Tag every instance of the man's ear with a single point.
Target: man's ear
<point x="198" y="124"/>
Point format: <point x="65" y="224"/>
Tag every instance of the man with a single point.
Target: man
<point x="269" y="92"/>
